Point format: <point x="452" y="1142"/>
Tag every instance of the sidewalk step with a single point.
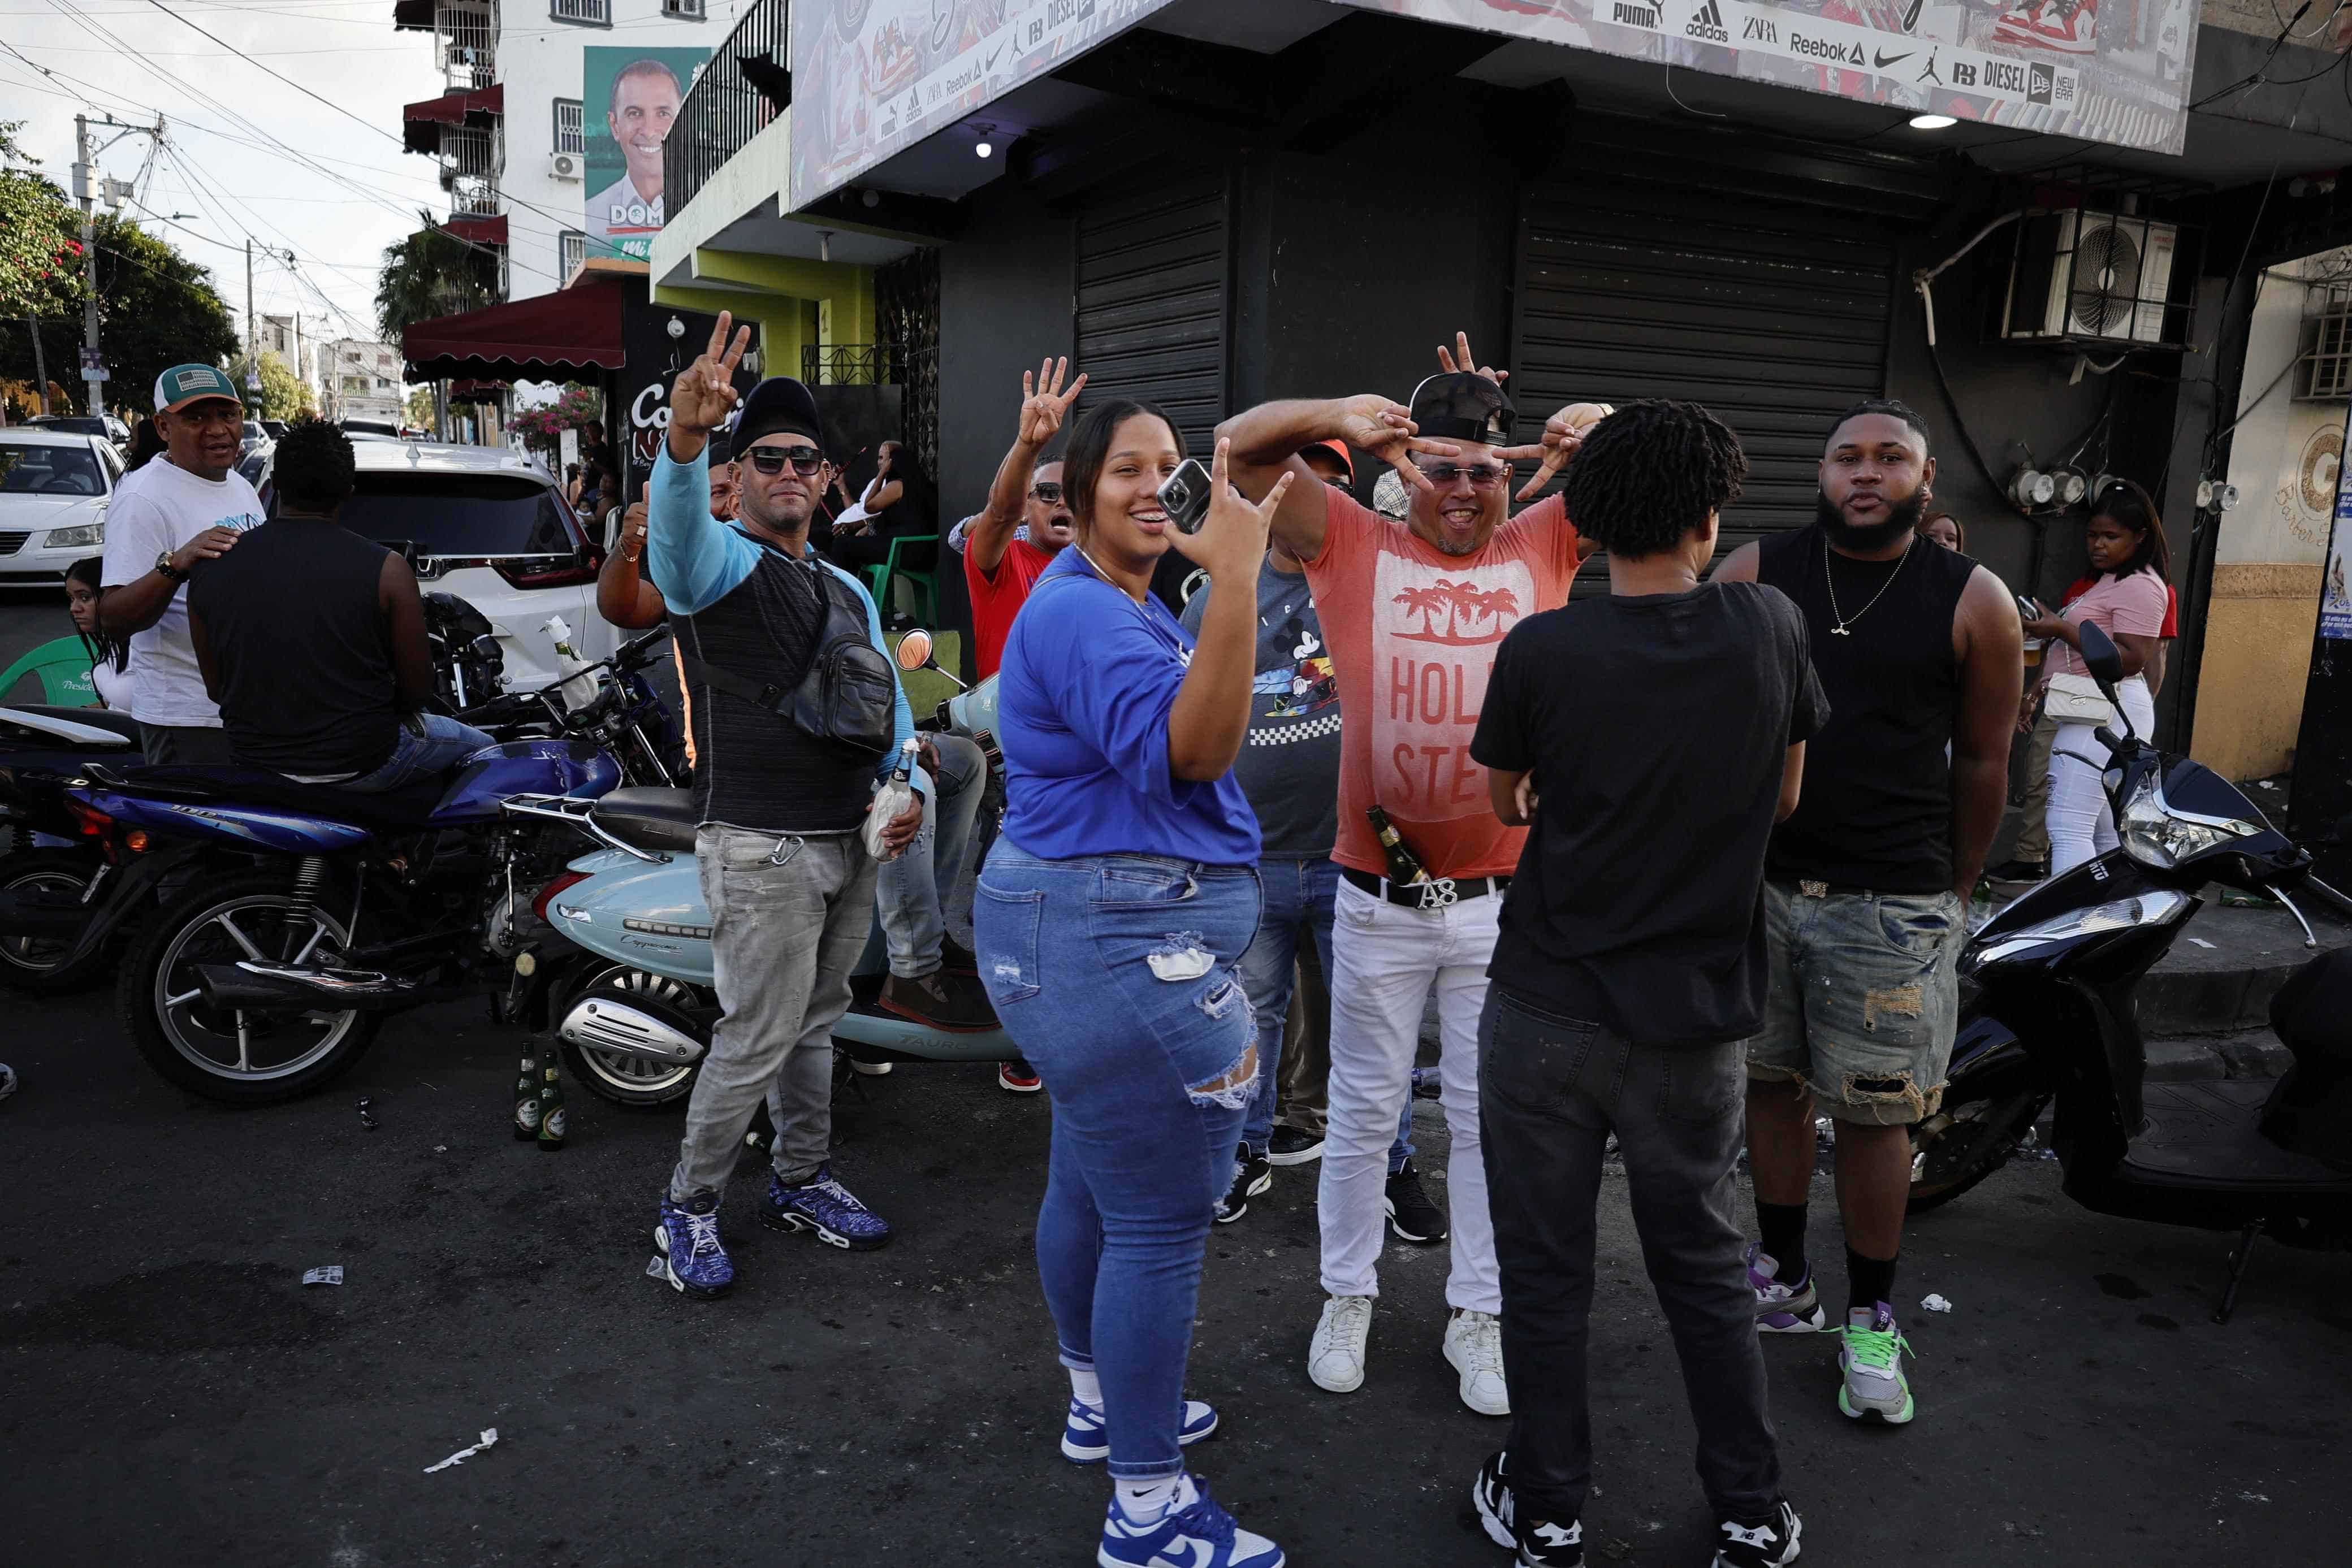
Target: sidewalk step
<point x="2227" y="964"/>
<point x="2250" y="1053"/>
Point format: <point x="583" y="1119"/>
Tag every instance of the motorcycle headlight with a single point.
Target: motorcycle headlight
<point x="2118" y="914"/>
<point x="2154" y="835"/>
<point x="82" y="535"/>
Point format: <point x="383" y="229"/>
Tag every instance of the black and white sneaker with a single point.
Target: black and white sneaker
<point x="1289" y="1146"/>
<point x="1769" y="1543"/>
<point x="1252" y="1176"/>
<point x="1411" y="1214"/>
<point x="1534" y="1542"/>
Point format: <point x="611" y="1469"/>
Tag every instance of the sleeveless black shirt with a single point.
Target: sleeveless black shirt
<point x="1876" y="808"/>
<point x="753" y="769"/>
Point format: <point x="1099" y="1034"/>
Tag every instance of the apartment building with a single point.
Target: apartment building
<point x="512" y="133"/>
<point x="363" y="380"/>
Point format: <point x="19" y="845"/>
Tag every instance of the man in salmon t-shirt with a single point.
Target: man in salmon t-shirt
<point x="1412" y="613"/>
<point x="998" y="568"/>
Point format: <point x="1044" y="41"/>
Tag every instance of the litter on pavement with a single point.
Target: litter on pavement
<point x="1935" y="1303"/>
<point x="332" y="1274"/>
<point x="490" y="1436"/>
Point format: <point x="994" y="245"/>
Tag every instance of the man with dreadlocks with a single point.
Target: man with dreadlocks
<point x="1867" y="884"/>
<point x="1412" y="612"/>
<point x="1631" y="965"/>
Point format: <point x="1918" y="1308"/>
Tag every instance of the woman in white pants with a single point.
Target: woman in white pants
<point x="2130" y="565"/>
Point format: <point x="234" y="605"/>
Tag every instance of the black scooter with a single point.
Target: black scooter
<point x="2056" y="1018"/>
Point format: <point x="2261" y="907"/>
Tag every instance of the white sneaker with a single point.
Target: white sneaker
<point x="1335" y="1361"/>
<point x="870" y="1069"/>
<point x="1474" y="1346"/>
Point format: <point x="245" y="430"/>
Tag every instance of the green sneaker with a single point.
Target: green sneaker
<point x="1872" y="1361"/>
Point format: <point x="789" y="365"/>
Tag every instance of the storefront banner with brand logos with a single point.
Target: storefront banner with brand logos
<point x="2101" y="70"/>
<point x="629" y="100"/>
<point x="870" y="77"/>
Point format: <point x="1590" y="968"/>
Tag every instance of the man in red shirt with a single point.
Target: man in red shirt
<point x="1412" y="615"/>
<point x="999" y="569"/>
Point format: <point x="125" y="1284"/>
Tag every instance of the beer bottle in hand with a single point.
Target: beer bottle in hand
<point x="1403" y="865"/>
<point x="526" y="1105"/>
<point x="551" y="1109"/>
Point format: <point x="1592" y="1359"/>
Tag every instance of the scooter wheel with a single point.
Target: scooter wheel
<point x="31" y="964"/>
<point x="1957" y="1154"/>
<point x="631" y="1083"/>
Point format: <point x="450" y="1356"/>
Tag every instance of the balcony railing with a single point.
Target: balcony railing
<point x="470" y="152"/>
<point x="466" y="33"/>
<point x="746" y="86"/>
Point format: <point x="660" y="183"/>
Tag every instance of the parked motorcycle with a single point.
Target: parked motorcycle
<point x="2054" y="1019"/>
<point x="628" y="988"/>
<point x="49" y="872"/>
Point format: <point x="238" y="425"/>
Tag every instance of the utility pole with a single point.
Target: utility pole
<point x="40" y="365"/>
<point x="83" y="173"/>
<point x="252" y="344"/>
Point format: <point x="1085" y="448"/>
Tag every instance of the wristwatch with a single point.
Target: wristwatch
<point x="165" y="569"/>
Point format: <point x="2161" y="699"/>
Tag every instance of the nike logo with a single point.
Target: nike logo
<point x="1189" y="1553"/>
<point x="1884" y="60"/>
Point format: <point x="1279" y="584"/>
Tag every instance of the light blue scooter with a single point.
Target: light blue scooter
<point x="627" y="986"/>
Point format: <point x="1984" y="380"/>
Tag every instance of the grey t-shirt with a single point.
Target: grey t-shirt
<point x="1289" y="764"/>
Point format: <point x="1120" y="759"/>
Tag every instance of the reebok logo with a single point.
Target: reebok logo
<point x="1707" y="25"/>
<point x="1626" y="15"/>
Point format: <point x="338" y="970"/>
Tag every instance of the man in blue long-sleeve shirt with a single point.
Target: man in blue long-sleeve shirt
<point x="784" y="872"/>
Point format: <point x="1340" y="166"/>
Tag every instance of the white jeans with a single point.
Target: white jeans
<point x="1383" y="960"/>
<point x="2082" y="823"/>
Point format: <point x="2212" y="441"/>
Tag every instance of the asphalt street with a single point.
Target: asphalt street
<point x="30" y="617"/>
<point x="177" y="1397"/>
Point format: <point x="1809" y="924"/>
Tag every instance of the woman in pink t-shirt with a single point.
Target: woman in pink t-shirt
<point x="2130" y="566"/>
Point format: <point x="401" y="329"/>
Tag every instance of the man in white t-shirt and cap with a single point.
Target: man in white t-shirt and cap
<point x="188" y="505"/>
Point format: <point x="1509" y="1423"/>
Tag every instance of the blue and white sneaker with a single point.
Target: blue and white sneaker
<point x="824" y="1206"/>
<point x="1199" y="1534"/>
<point x="693" y="1258"/>
<point x="1086" y="1437"/>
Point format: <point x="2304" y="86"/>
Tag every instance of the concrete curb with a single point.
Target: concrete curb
<point x="2257" y="1053"/>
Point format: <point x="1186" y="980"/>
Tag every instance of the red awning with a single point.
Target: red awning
<point x="421" y="123"/>
<point x="412" y="14"/>
<point x="490" y="230"/>
<point x="546" y="338"/>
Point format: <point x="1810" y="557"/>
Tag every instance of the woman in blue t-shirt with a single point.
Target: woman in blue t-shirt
<point x="1109" y="917"/>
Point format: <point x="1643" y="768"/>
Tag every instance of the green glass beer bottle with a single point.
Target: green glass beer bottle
<point x="526" y="1105"/>
<point x="551" y="1109"/>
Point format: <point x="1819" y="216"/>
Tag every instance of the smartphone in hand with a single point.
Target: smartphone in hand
<point x="1186" y="494"/>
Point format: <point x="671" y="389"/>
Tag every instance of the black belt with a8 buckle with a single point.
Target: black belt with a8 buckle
<point x="1435" y="893"/>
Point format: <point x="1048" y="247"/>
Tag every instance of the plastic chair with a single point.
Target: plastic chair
<point x="926" y="585"/>
<point x="63" y="667"/>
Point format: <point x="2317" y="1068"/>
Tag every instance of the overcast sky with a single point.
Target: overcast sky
<point x="230" y="125"/>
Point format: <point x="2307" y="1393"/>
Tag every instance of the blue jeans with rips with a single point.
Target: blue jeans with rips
<point x="1114" y="975"/>
<point x="427" y="744"/>
<point x="1298" y="901"/>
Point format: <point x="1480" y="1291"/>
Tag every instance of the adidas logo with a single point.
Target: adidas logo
<point x="1707" y="25"/>
<point x="1631" y="16"/>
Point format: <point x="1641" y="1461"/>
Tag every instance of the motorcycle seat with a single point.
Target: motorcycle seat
<point x="651" y="818"/>
<point x="113" y="720"/>
<point x="400" y="811"/>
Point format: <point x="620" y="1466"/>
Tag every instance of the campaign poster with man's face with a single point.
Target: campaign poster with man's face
<point x="629" y="100"/>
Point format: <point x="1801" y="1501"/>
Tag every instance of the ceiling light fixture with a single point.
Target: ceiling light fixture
<point x="1932" y="122"/>
<point x="984" y="146"/>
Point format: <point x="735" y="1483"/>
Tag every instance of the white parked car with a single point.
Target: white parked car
<point x="54" y="487"/>
<point x="490" y="526"/>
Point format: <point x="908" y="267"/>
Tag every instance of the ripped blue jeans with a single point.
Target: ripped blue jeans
<point x="1115" y="976"/>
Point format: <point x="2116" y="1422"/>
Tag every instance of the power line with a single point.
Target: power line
<point x="274" y="74"/>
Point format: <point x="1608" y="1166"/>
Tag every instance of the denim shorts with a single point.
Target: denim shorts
<point x="1862" y="1001"/>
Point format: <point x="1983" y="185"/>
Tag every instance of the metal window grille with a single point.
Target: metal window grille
<point x="587" y="13"/>
<point x="570" y="250"/>
<point x="2326" y="372"/>
<point x="692" y="8"/>
<point x="569" y="137"/>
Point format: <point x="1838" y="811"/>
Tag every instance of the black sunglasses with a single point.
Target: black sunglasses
<point x="806" y="460"/>
<point x="1049" y="492"/>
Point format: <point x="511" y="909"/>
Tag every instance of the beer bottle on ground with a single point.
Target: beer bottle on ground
<point x="551" y="1109"/>
<point x="1404" y="866"/>
<point x="526" y="1105"/>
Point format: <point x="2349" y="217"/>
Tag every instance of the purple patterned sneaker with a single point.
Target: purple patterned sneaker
<point x="1781" y="1307"/>
<point x="825" y="1207"/>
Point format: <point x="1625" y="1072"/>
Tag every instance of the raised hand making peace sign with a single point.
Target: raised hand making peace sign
<point x="704" y="393"/>
<point x="1044" y="403"/>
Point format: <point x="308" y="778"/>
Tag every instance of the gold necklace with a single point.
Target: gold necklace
<point x="1839" y="623"/>
<point x="1100" y="572"/>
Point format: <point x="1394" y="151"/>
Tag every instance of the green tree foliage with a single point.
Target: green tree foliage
<point x="283" y="394"/>
<point x="156" y="309"/>
<point x="40" y="247"/>
<point x="431" y="273"/>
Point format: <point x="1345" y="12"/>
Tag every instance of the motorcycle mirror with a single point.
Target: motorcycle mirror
<point x="2101" y="657"/>
<point x="914" y="650"/>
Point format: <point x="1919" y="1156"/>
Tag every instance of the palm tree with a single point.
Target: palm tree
<point x="431" y="273"/>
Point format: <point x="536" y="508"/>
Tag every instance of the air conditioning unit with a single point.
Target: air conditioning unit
<point x="563" y="166"/>
<point x="2094" y="277"/>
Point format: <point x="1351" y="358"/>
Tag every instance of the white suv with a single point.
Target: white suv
<point x="490" y="526"/>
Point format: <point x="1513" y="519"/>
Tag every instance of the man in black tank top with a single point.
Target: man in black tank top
<point x="1867" y="883"/>
<point x="314" y="643"/>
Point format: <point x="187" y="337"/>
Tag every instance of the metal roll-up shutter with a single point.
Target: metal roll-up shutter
<point x="1151" y="303"/>
<point x="1772" y="313"/>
